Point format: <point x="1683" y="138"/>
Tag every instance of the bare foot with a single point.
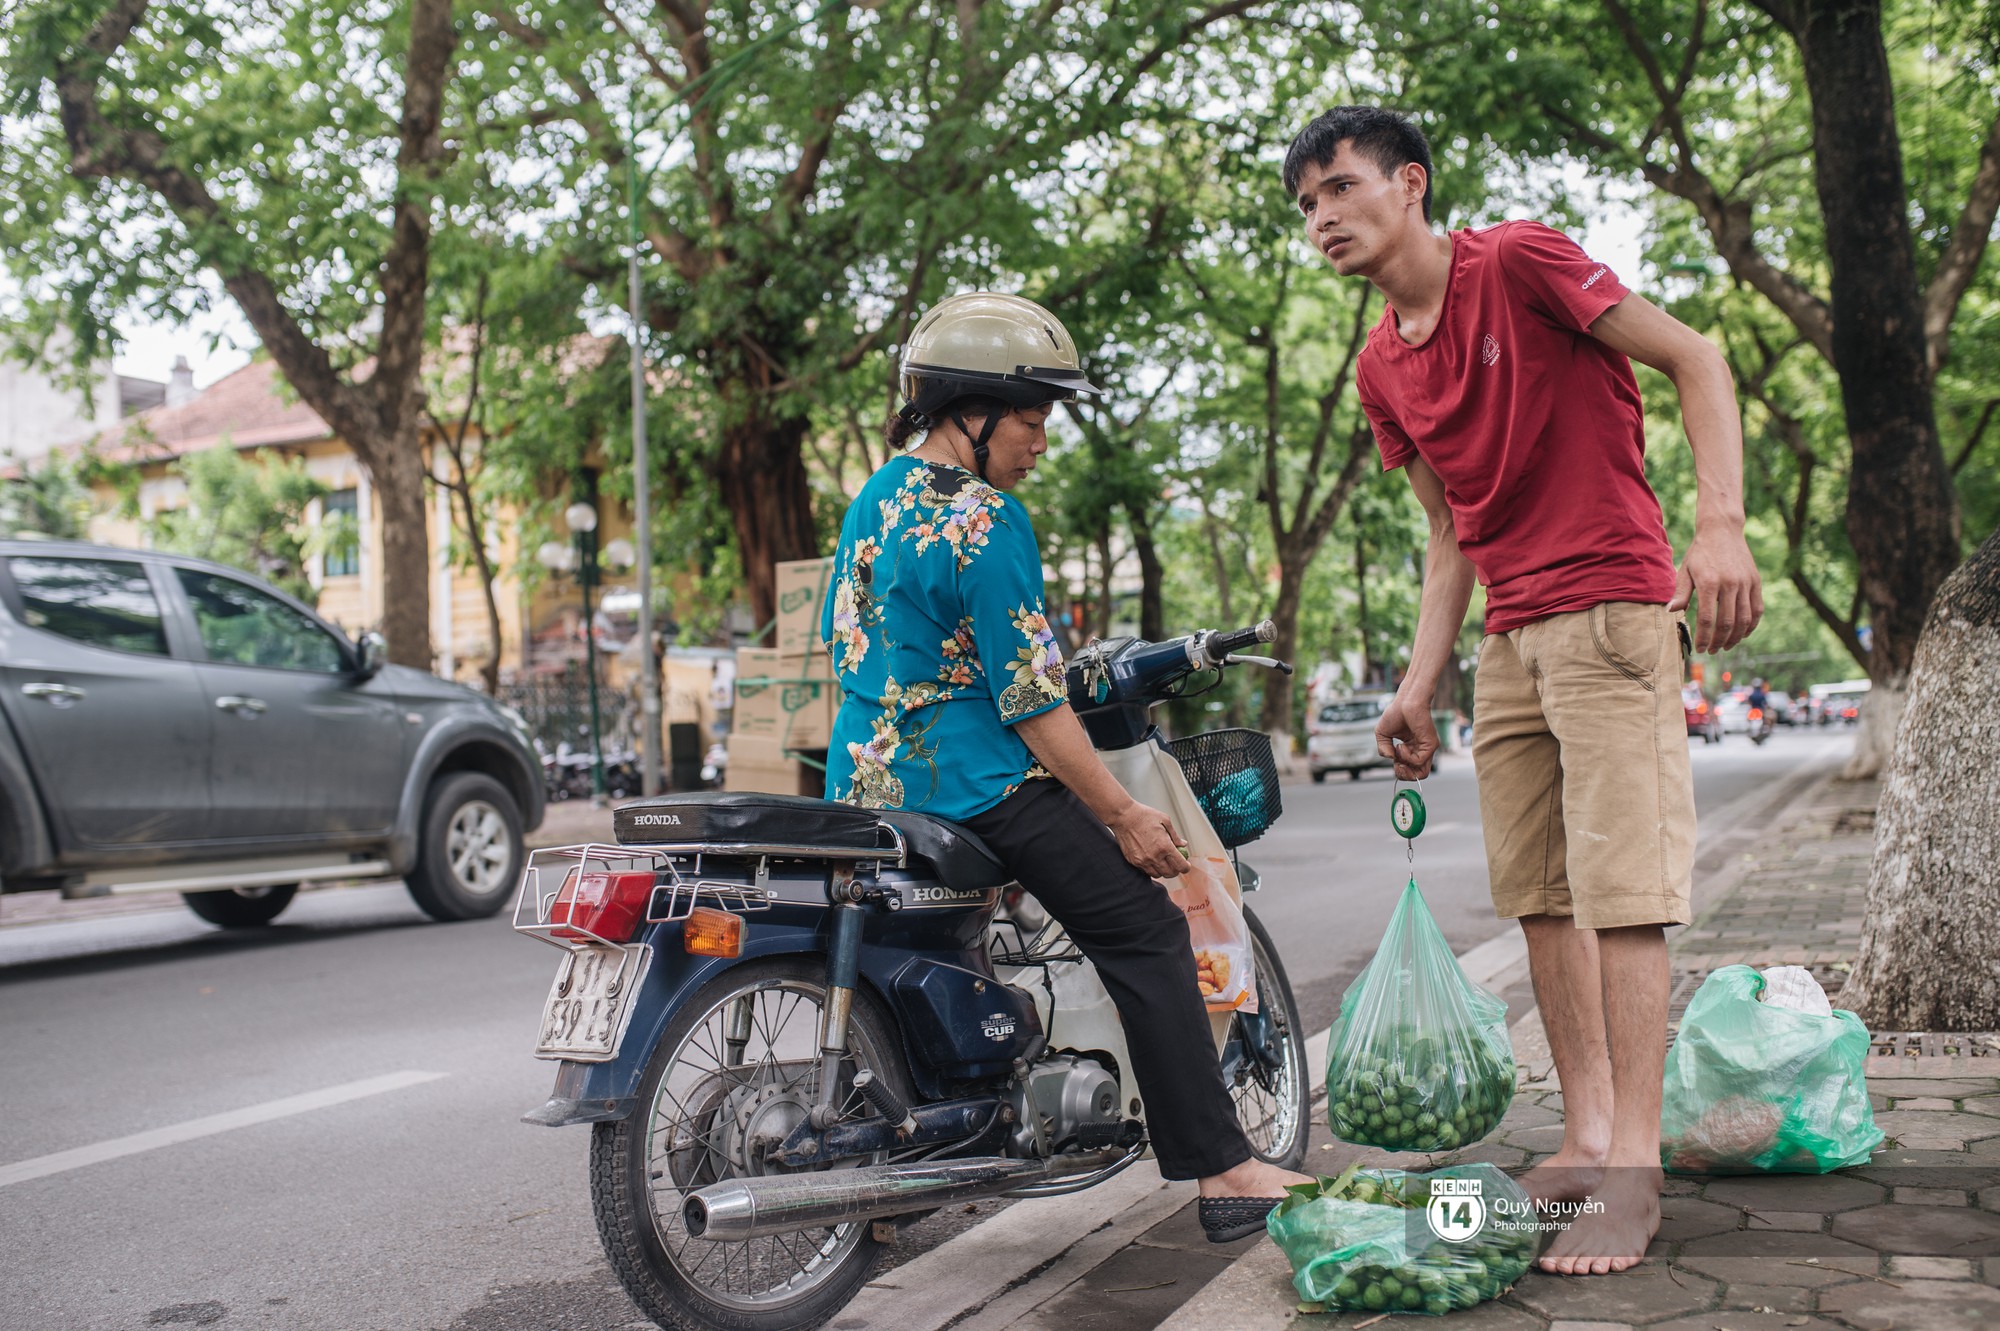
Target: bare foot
<point x="1252" y="1178"/>
<point x="1570" y="1175"/>
<point x="1614" y="1239"/>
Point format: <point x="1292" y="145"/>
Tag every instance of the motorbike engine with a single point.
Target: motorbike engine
<point x="1071" y="1097"/>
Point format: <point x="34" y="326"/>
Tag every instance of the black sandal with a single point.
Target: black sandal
<point x="1227" y="1219"/>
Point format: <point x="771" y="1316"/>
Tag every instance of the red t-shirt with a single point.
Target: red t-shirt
<point x="1533" y="425"/>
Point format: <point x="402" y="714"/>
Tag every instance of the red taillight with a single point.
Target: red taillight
<point x="1702" y="708"/>
<point x="607" y="905"/>
<point x="1755" y="714"/>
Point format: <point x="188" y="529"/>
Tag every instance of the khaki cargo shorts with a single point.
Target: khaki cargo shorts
<point x="1581" y="748"/>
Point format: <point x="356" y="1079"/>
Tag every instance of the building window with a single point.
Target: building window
<point x="340" y="539"/>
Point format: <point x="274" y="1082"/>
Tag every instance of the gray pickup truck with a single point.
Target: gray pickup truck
<point x="172" y="725"/>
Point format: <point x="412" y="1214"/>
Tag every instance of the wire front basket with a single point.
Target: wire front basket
<point x="1235" y="779"/>
<point x="678" y="887"/>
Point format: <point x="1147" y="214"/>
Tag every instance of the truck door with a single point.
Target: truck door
<point x="301" y="750"/>
<point x="115" y="727"/>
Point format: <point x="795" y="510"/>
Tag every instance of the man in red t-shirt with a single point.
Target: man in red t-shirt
<point x="1498" y="379"/>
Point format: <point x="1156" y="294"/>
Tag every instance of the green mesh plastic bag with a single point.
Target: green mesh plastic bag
<point x="1755" y="1087"/>
<point x="1419" y="1058"/>
<point x="1365" y="1241"/>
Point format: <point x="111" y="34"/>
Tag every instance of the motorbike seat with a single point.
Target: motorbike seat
<point x="797" y="825"/>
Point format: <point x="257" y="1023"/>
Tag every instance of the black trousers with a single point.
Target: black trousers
<point x="1138" y="940"/>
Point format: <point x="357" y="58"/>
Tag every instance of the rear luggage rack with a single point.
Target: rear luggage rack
<point x="675" y="893"/>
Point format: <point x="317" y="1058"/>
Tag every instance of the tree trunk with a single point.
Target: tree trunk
<point x="761" y="471"/>
<point x="1276" y="717"/>
<point x="1902" y="515"/>
<point x="398" y="480"/>
<point x="1152" y="577"/>
<point x="1932" y="928"/>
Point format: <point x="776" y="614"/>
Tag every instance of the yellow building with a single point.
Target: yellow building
<point x="253" y="411"/>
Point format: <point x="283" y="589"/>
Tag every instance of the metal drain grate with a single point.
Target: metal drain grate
<point x="1935" y="1044"/>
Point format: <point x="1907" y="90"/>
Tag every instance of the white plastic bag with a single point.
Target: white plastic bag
<point x="1795" y="989"/>
<point x="1217" y="930"/>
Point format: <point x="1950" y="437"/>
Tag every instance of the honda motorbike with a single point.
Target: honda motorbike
<point x="796" y="1025"/>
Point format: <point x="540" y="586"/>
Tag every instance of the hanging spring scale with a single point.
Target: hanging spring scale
<point x="1406" y="817"/>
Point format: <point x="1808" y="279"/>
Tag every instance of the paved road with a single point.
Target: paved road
<point x="314" y="1126"/>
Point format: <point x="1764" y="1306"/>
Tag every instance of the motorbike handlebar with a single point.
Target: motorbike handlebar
<point x="1217" y="646"/>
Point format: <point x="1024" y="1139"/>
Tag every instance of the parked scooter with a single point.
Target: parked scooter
<point x="796" y="1025"/>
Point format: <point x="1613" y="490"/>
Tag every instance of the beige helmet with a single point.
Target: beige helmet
<point x="983" y="344"/>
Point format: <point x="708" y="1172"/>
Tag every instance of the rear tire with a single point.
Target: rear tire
<point x="679" y="1137"/>
<point x="1319" y="776"/>
<point x="468" y="848"/>
<point x="241" y="907"/>
<point x="1353" y="774"/>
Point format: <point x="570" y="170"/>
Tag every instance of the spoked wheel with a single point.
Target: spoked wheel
<point x="1264" y="1062"/>
<point x="734" y="1074"/>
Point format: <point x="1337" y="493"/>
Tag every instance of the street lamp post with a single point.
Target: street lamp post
<point x="581" y="560"/>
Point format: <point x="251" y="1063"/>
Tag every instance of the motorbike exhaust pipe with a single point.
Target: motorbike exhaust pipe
<point x="753" y="1208"/>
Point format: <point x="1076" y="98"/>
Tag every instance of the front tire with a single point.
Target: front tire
<point x="701" y="1113"/>
<point x="241" y="907"/>
<point x="1319" y="776"/>
<point x="1274" y="1104"/>
<point x="468" y="849"/>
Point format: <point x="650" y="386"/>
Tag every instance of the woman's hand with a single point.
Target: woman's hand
<point x="1149" y="842"/>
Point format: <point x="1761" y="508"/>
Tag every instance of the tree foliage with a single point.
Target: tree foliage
<point x="291" y="153"/>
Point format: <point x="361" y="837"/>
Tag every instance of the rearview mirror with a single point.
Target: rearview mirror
<point x="371" y="651"/>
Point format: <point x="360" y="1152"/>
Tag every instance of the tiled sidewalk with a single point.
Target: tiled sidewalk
<point x="1908" y="1242"/>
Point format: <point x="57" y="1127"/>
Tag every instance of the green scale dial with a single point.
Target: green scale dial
<point x="1406" y="813"/>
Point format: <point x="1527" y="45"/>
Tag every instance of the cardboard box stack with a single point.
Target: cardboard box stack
<point x="786" y="696"/>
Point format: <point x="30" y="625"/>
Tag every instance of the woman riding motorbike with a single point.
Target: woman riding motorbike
<point x="954" y="705"/>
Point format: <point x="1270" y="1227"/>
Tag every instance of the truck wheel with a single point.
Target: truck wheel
<point x="1354" y="774"/>
<point x="241" y="907"/>
<point x="468" y="848"/>
<point x="1319" y="776"/>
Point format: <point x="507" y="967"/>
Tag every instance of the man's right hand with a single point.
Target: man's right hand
<point x="1149" y="842"/>
<point x="1408" y="738"/>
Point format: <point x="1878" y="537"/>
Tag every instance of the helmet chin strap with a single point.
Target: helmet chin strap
<point x="979" y="442"/>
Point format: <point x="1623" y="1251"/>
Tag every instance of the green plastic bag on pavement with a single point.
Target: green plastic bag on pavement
<point x="1753" y="1086"/>
<point x="1419" y="1058"/>
<point x="1366" y="1241"/>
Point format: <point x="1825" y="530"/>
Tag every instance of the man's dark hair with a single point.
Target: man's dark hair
<point x="1386" y="138"/>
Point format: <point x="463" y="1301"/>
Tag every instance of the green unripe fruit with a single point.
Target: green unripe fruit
<point x="1345" y="1289"/>
<point x="1374" y="1299"/>
<point x="1392" y="1287"/>
<point x="1412" y="1299"/>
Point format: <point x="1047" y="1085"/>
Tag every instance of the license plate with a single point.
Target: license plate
<point x="590" y="1003"/>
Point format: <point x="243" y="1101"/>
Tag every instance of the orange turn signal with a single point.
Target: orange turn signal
<point x="708" y="932"/>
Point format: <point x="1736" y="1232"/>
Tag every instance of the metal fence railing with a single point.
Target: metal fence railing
<point x="558" y="710"/>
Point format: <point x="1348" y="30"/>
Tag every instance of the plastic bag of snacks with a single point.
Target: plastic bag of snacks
<point x="1369" y="1241"/>
<point x="1765" y="1086"/>
<point x="1219" y="933"/>
<point x="1419" y="1058"/>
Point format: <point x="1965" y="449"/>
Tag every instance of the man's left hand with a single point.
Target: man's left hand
<point x="1722" y="578"/>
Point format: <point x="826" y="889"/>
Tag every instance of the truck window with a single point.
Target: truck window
<point x="98" y="602"/>
<point x="243" y="626"/>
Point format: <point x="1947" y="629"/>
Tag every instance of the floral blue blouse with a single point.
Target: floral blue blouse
<point x="939" y="641"/>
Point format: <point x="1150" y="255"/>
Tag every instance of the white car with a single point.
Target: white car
<point x="1341" y="736"/>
